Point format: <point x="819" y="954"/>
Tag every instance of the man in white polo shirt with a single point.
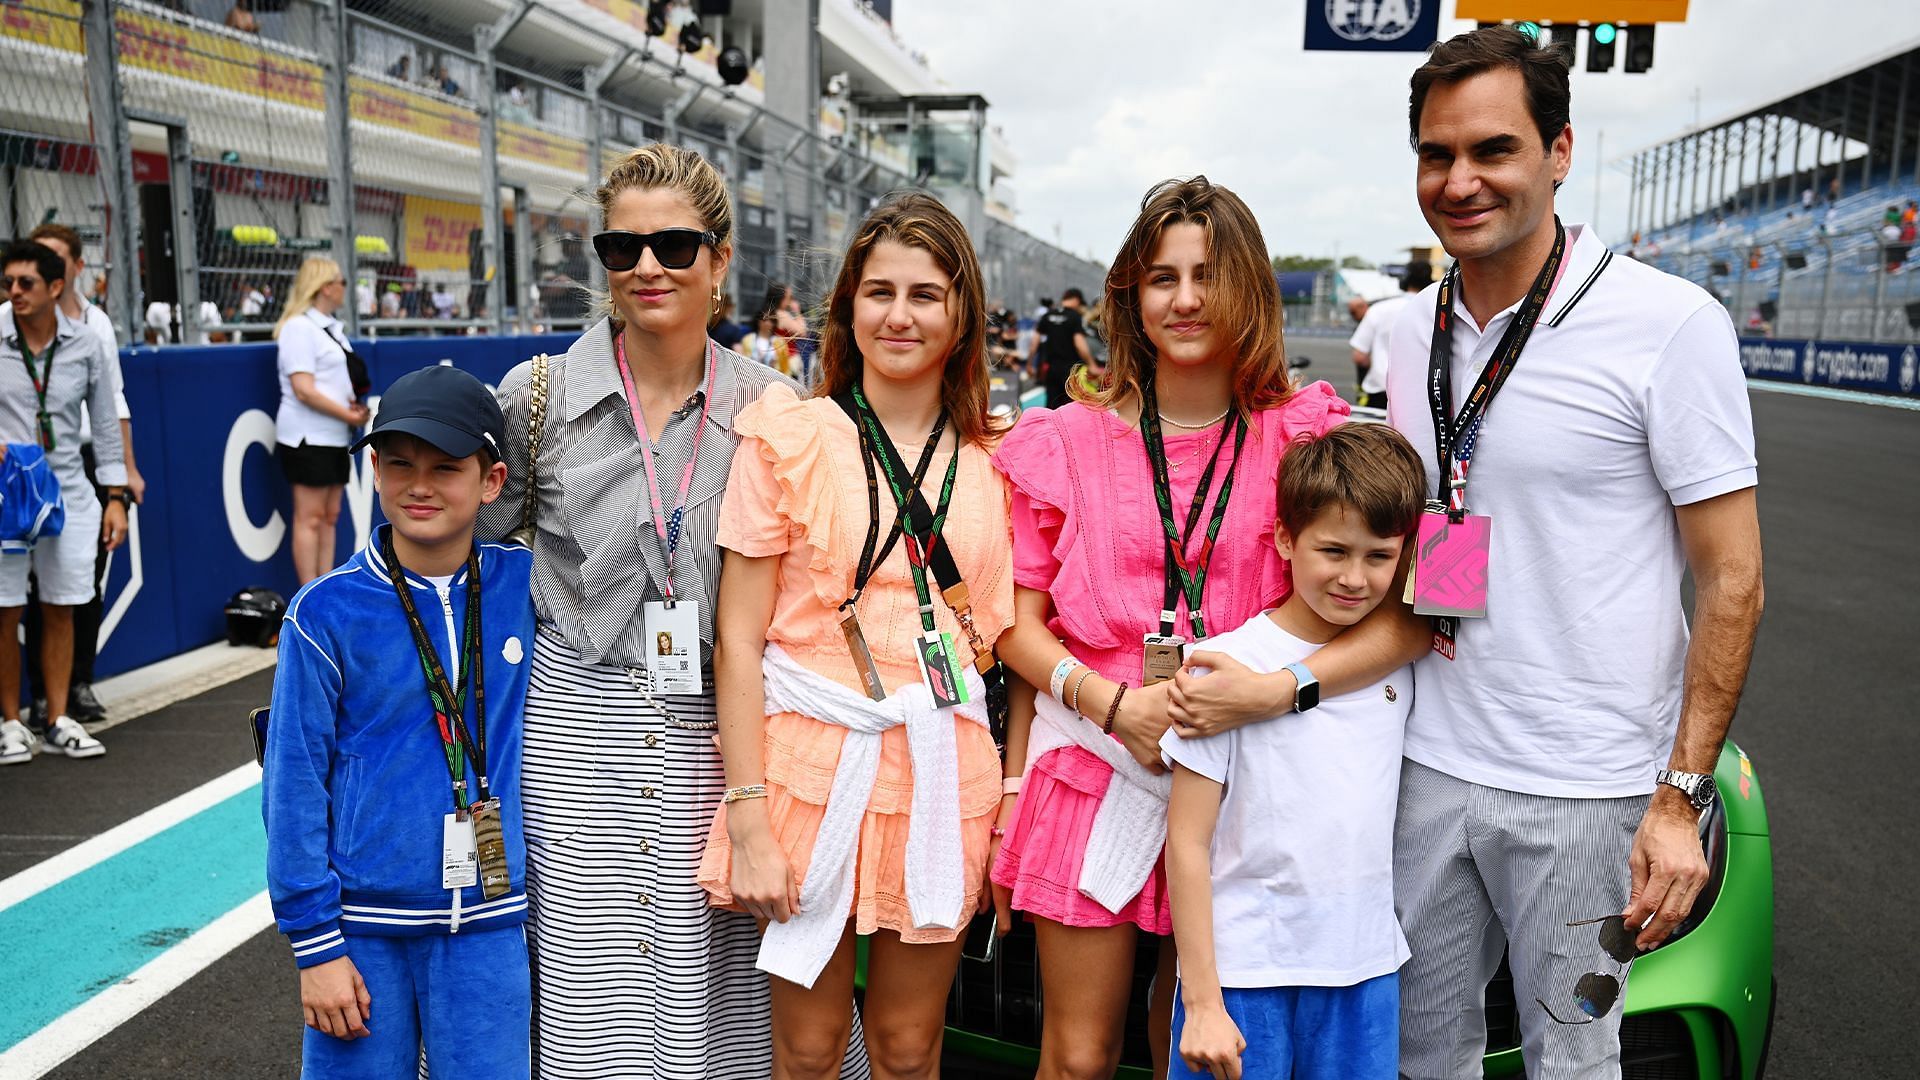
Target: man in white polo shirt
<point x="1561" y="746"/>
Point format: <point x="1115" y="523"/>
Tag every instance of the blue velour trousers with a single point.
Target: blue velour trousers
<point x="466" y="997"/>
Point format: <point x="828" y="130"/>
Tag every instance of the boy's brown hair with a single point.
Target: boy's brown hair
<point x="1368" y="468"/>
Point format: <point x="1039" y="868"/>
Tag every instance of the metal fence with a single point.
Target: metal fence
<point x="209" y="148"/>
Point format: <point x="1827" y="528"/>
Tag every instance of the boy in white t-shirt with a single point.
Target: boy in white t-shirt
<point x="1280" y="833"/>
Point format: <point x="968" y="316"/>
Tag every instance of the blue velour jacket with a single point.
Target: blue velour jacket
<point x="356" y="786"/>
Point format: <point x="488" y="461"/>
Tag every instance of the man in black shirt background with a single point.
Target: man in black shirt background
<point x="1063" y="343"/>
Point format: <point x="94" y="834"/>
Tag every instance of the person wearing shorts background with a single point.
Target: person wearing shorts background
<point x="49" y="365"/>
<point x="317" y="413"/>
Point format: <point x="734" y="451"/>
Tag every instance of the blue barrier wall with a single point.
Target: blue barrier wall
<point x="215" y="518"/>
<point x="1843" y="365"/>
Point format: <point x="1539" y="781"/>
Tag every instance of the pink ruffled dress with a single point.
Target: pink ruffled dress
<point x="1086" y="530"/>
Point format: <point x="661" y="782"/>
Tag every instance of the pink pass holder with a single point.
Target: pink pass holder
<point x="1450" y="565"/>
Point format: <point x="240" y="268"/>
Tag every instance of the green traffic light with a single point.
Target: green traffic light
<point x="1531" y="29"/>
<point x="1604" y="34"/>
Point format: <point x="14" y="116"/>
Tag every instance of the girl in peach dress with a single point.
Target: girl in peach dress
<point x="858" y="708"/>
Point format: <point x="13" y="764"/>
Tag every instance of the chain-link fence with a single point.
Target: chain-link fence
<point x="204" y="151"/>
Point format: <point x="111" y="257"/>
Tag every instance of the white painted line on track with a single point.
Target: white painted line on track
<point x="44" y="1050"/>
<point x="50" y="872"/>
<point x="1831" y="394"/>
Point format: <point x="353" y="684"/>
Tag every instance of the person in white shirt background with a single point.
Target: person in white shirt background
<point x="82" y="705"/>
<point x="317" y="412"/>
<point x="1371" y="339"/>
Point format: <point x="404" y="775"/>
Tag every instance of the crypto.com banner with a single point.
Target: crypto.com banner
<point x="1841" y="365"/>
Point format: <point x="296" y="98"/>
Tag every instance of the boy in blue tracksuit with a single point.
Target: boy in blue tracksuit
<point x="395" y="857"/>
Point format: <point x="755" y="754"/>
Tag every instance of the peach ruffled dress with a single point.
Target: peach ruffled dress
<point x="1087" y="531"/>
<point x="798" y="492"/>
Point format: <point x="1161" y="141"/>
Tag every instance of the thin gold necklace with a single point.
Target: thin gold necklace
<point x="1171" y="422"/>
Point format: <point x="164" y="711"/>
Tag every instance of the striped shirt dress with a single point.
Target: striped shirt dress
<point x="635" y="976"/>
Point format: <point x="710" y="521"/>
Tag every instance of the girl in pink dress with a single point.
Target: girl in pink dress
<point x="862" y="797"/>
<point x="1198" y="373"/>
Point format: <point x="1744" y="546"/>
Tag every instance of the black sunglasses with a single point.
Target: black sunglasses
<point x="27" y="282"/>
<point x="1597" y="992"/>
<point x="674" y="249"/>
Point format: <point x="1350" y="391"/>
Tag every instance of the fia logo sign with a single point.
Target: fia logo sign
<point x="1372" y="20"/>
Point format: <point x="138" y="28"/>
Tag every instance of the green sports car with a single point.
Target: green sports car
<point x="1700" y="1007"/>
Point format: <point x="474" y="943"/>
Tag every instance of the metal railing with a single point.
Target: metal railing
<point x="211" y="159"/>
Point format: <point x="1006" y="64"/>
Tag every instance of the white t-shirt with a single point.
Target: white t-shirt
<point x="160" y="320"/>
<point x="1628" y="401"/>
<point x="1374" y="336"/>
<point x="1303" y="850"/>
<point x="308" y="343"/>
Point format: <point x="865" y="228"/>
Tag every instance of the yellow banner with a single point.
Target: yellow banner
<point x="1565" y="11"/>
<point x="171" y="48"/>
<point x="48" y="22"/>
<point x="437" y="232"/>
<point x="391" y="106"/>
<point x="542" y="147"/>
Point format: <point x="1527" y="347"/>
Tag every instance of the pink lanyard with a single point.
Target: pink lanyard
<point x="667" y="526"/>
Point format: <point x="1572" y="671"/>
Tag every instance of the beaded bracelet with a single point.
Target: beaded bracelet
<point x="1113" y="710"/>
<point x="1074" y="694"/>
<point x="750" y="791"/>
<point x="1058" y="683"/>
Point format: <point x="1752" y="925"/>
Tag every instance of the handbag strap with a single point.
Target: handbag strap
<point x="536" y="426"/>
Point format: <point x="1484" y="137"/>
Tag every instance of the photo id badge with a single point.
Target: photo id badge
<point x="934" y="651"/>
<point x="459" y="861"/>
<point x="1450" y="565"/>
<point x="491" y="848"/>
<point x="862" y="657"/>
<point x="673" y="646"/>
<point x="1164" y="655"/>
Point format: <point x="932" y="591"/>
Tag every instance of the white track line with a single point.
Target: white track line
<point x="50" y="872"/>
<point x="1832" y="394"/>
<point x="159" y="684"/>
<point x="44" y="1050"/>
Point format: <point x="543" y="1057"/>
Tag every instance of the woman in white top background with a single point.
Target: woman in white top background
<point x="317" y="413"/>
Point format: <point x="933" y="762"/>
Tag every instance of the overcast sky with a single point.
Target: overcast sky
<point x="1101" y="98"/>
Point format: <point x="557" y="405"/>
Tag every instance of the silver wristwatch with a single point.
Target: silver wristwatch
<point x="1698" y="787"/>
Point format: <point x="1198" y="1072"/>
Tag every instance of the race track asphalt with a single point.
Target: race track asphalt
<point x="1830" y="719"/>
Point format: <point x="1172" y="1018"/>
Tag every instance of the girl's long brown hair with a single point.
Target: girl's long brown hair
<point x="1243" y="298"/>
<point x="921" y="221"/>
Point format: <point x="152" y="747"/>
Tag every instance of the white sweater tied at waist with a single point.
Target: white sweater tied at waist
<point x="799" y="948"/>
<point x="1130" y="828"/>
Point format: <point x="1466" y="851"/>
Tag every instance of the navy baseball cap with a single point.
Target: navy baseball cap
<point x="443" y="407"/>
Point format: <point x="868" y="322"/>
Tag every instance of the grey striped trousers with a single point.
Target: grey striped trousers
<point x="635" y="977"/>
<point x="1477" y="870"/>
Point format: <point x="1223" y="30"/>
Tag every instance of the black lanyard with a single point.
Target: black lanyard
<point x="922" y="532"/>
<point x="923" y="525"/>
<point x="868" y="562"/>
<point x="1184" y="577"/>
<point x="1454" y="440"/>
<point x="449" y="703"/>
<point x="41" y="381"/>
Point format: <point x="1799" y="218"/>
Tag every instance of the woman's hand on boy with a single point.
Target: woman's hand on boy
<point x="1142" y="720"/>
<point x="1210" y="1042"/>
<point x="335" y="999"/>
<point x="1224" y="696"/>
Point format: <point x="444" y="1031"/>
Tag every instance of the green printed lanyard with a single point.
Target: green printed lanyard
<point x="449" y="703"/>
<point x="42" y="379"/>
<point x="921" y="537"/>
<point x="1188" y="578"/>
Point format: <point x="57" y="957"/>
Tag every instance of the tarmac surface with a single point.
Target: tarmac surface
<point x="1828" y="719"/>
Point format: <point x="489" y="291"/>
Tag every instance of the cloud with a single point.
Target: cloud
<point x="1102" y="99"/>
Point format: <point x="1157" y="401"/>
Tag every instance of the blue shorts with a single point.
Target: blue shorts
<point x="1310" y="1032"/>
<point x="465" y="997"/>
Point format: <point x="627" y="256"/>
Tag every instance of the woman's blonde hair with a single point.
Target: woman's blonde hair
<point x="315" y="274"/>
<point x="918" y="220"/>
<point x="678" y="169"/>
<point x="1243" y="298"/>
